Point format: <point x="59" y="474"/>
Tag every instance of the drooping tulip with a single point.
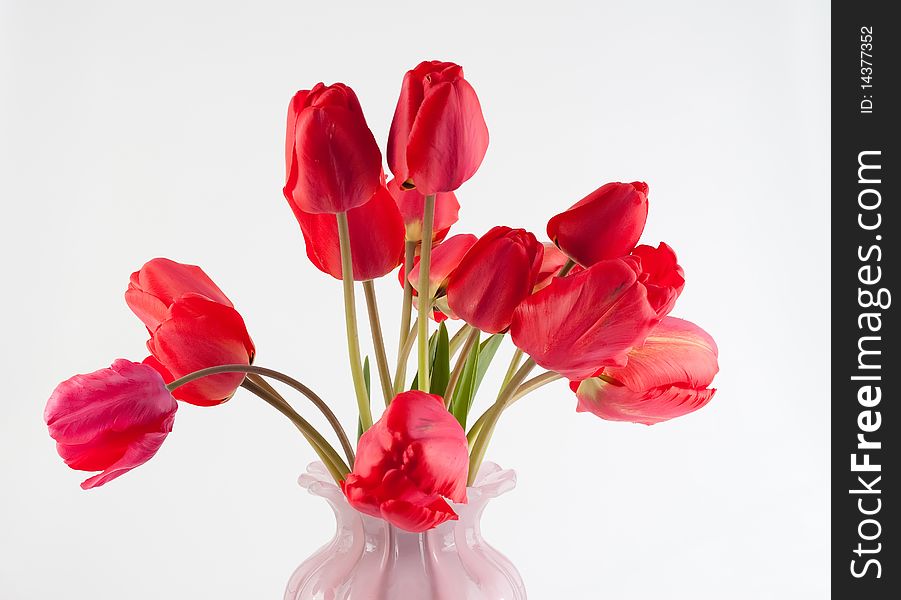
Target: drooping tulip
<point x="192" y="325"/>
<point x="667" y="377"/>
<point x="586" y="320"/>
<point x="153" y="289"/>
<point x="438" y="136"/>
<point x="662" y="275"/>
<point x="411" y="204"/>
<point x="603" y="225"/>
<point x="111" y="420"/>
<point x="497" y="273"/>
<point x="333" y="162"/>
<point x="376" y="238"/>
<point x="408" y="462"/>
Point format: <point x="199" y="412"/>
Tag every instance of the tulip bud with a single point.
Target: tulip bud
<point x="438" y="136"/>
<point x="111" y="420"/>
<point x="603" y="225"/>
<point x="497" y="273"/>
<point x="333" y="161"/>
<point x="666" y="377"/>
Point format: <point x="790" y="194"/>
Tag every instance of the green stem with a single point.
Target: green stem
<point x="350" y="318"/>
<point x="477" y="452"/>
<point x="471" y="339"/>
<point x="458" y="339"/>
<point x="326" y="453"/>
<point x="566" y="268"/>
<point x="287" y="380"/>
<point x="514" y="364"/>
<point x="406" y="311"/>
<point x="399" y="383"/>
<point x="425" y="300"/>
<point x="378" y="342"/>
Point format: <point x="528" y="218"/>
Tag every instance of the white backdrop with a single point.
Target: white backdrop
<point x="131" y="130"/>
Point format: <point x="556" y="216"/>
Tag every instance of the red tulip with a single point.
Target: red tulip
<point x="665" y="378"/>
<point x="497" y="273"/>
<point x="159" y="282"/>
<point x="198" y="333"/>
<point x="604" y="224"/>
<point x="438" y="136"/>
<point x="413" y="458"/>
<point x="376" y="238"/>
<point x="411" y="204"/>
<point x="551" y="264"/>
<point x="585" y="321"/>
<point x="332" y="159"/>
<point x="661" y="275"/>
<point x="111" y="420"/>
<point x="192" y="325"/>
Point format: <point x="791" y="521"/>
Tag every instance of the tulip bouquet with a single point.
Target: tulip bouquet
<point x="588" y="305"/>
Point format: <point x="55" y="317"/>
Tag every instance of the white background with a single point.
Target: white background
<point x="133" y="130"/>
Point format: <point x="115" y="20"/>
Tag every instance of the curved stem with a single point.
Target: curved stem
<point x="378" y="342"/>
<point x="326" y="453"/>
<point x="405" y="350"/>
<point x="287" y="380"/>
<point x="406" y="314"/>
<point x="350" y="318"/>
<point x="425" y="299"/>
<point x="471" y="339"/>
<point x="477" y="452"/>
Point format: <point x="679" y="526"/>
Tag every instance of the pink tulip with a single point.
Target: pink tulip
<point x="111" y="420"/>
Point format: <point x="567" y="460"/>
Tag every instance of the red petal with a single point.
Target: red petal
<point x="448" y="139"/>
<point x="160" y="281"/>
<point x="619" y="403"/>
<point x="338" y="161"/>
<point x="197" y="334"/>
<point x="584" y="321"/>
<point x="676" y="352"/>
<point x="604" y="225"/>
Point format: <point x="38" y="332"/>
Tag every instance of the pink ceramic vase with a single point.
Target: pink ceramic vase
<point x="369" y="559"/>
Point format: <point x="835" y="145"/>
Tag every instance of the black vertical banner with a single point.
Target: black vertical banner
<point x="866" y="363"/>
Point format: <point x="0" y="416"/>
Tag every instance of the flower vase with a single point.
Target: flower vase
<point x="370" y="559"/>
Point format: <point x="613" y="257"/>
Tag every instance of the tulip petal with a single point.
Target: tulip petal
<point x="411" y="204"/>
<point x="197" y="334"/>
<point x="160" y="281"/>
<point x="138" y="452"/>
<point x="584" y="321"/>
<point x="376" y="238"/>
<point x="675" y="352"/>
<point x="449" y="137"/>
<point x="618" y="403"/>
<point x="604" y="225"/>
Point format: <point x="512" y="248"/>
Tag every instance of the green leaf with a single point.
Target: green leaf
<point x="464" y="393"/>
<point x="366" y="380"/>
<point x="440" y="373"/>
<point x="486" y="355"/>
